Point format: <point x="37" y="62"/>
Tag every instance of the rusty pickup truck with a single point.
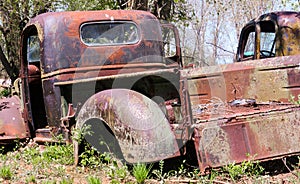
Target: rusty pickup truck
<point x="120" y="73"/>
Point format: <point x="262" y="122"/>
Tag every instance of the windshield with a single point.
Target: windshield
<point x="267" y="40"/>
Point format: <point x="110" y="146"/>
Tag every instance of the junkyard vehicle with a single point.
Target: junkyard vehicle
<point x="120" y="74"/>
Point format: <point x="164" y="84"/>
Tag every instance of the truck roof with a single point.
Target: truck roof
<point x="84" y="16"/>
<point x="282" y="18"/>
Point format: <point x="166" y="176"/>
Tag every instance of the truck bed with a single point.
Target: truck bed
<point x="230" y="134"/>
<point x="243" y="110"/>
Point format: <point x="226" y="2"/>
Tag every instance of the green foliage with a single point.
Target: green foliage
<point x="5" y="172"/>
<point x="49" y="182"/>
<point x="141" y="172"/>
<point x="90" y="157"/>
<point x="71" y="5"/>
<point x="4" y="93"/>
<point x="93" y="180"/>
<point x="182" y="169"/>
<point x="31" y="179"/>
<point x="57" y="153"/>
<point x="213" y="174"/>
<point x="39" y="166"/>
<point x="30" y="154"/>
<point x="246" y="168"/>
<point x="194" y="174"/>
<point x="159" y="173"/>
<point x="296" y="102"/>
<point x="117" y="172"/>
<point x="66" y="181"/>
<point x="79" y="133"/>
<point x="234" y="171"/>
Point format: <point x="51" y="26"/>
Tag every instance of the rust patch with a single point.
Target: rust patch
<point x="140" y="128"/>
<point x="12" y="125"/>
<point x="264" y="132"/>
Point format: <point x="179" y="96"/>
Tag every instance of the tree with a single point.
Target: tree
<point x="14" y="14"/>
<point x="163" y="9"/>
<point x="217" y="26"/>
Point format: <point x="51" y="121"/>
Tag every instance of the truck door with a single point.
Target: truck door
<point x="31" y="79"/>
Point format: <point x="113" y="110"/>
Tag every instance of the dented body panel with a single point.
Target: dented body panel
<point x="266" y="80"/>
<point x="139" y="129"/>
<point x="243" y="110"/>
<point x="12" y="124"/>
<point x="262" y="132"/>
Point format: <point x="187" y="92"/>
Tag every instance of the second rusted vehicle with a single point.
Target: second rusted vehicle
<point x="120" y="73"/>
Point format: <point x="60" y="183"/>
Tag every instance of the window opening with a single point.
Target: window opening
<point x="109" y="33"/>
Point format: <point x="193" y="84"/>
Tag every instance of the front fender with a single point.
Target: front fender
<point x="12" y="124"/>
<point x="140" y="127"/>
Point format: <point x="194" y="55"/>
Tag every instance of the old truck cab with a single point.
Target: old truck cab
<point x="270" y="35"/>
<point x="67" y="57"/>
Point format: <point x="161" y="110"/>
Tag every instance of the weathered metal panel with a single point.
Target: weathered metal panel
<point x="262" y="132"/>
<point x="140" y="127"/>
<point x="63" y="47"/>
<point x="273" y="79"/>
<point x="245" y="108"/>
<point x="12" y="124"/>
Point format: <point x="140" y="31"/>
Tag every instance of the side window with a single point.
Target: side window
<point x="109" y="33"/>
<point x="33" y="49"/>
<point x="169" y="42"/>
<point x="250" y="45"/>
<point x="171" y="45"/>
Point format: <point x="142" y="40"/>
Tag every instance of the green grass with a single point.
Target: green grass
<point x="93" y="180"/>
<point x="31" y="179"/>
<point x="57" y="153"/>
<point x="49" y="182"/>
<point x="141" y="172"/>
<point x="53" y="164"/>
<point x="247" y="168"/>
<point x="66" y="181"/>
<point x="5" y="172"/>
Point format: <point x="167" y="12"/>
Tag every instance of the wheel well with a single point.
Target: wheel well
<point x="101" y="137"/>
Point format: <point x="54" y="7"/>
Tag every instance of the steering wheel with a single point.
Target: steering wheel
<point x="264" y="52"/>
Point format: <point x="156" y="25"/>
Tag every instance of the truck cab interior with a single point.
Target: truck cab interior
<point x="257" y="41"/>
<point x="31" y="79"/>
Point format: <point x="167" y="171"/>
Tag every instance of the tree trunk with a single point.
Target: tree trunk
<point x="11" y="69"/>
<point x="138" y="4"/>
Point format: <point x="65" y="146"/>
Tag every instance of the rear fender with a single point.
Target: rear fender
<point x="140" y="127"/>
<point x="12" y="125"/>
